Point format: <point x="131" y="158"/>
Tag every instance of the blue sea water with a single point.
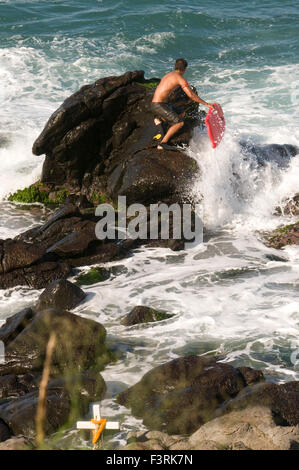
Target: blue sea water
<point x="228" y="297"/>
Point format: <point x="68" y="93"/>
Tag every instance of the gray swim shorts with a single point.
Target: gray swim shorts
<point x="166" y="111"/>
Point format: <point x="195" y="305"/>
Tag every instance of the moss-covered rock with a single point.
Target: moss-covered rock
<point x="282" y="236"/>
<point x="94" y="275"/>
<point x="150" y="84"/>
<point x="38" y="193"/>
<point x="141" y="314"/>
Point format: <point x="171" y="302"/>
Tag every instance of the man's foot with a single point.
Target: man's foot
<point x="161" y="146"/>
<point x="157" y="121"/>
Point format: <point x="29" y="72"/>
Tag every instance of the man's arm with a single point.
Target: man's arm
<point x="193" y="96"/>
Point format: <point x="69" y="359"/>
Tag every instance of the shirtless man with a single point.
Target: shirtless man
<point x="165" y="111"/>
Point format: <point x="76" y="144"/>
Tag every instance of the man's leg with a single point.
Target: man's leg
<point x="170" y="133"/>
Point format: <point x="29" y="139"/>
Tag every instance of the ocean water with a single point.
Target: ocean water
<point x="228" y="295"/>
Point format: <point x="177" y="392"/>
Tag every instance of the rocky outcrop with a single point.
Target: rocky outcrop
<point x="142" y="314"/>
<point x="79" y="354"/>
<point x="67" y="239"/>
<point x="251" y="429"/>
<point x="48" y="252"/>
<point x="283" y="400"/>
<point x="95" y="142"/>
<point x="179" y="396"/>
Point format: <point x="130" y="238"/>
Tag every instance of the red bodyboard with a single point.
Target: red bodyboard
<point x="215" y="123"/>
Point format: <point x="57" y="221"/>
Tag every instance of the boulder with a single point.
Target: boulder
<point x="92" y="142"/>
<point x="282" y="400"/>
<point x="151" y="175"/>
<point x="141" y="314"/>
<point x="15" y="324"/>
<point x="250" y="429"/>
<point x="179" y="396"/>
<point x="80" y="344"/>
<point x="20" y="414"/>
<point x="60" y="294"/>
<point x="5" y="432"/>
<point x="37" y="276"/>
<point x="16" y="443"/>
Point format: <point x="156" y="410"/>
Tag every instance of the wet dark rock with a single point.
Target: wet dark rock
<point x="15" y="324"/>
<point x="93" y="142"/>
<point x="283" y="400"/>
<point x="280" y="154"/>
<point x="75" y="243"/>
<point x="5" y="432"/>
<point x="19" y="414"/>
<point x="37" y="276"/>
<point x="141" y="314"/>
<point x="251" y="376"/>
<point x="179" y="396"/>
<point x="80" y="344"/>
<point x="153" y="175"/>
<point x="12" y="386"/>
<point x="60" y="294"/>
<point x="93" y="276"/>
<point x="17" y="254"/>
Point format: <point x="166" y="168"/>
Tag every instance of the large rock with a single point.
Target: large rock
<point x="152" y="175"/>
<point x="250" y="429"/>
<point x="283" y="401"/>
<point x="60" y="294"/>
<point x="48" y="252"/>
<point x="92" y="142"/>
<point x="37" y="276"/>
<point x="80" y="344"/>
<point x="179" y="396"/>
<point x="19" y="414"/>
<point x="17" y="443"/>
<point x="5" y="432"/>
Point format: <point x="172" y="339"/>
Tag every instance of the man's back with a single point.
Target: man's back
<point x="170" y="81"/>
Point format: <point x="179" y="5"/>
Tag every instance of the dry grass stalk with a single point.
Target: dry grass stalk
<point x="41" y="406"/>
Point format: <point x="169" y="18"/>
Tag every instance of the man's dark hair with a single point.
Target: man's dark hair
<point x="181" y="65"/>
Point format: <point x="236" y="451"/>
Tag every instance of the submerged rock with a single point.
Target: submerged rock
<point x="141" y="314"/>
<point x="179" y="396"/>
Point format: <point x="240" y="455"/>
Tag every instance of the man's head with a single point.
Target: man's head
<point x="181" y="65"/>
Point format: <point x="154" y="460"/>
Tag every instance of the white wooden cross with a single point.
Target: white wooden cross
<point x="97" y="424"/>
